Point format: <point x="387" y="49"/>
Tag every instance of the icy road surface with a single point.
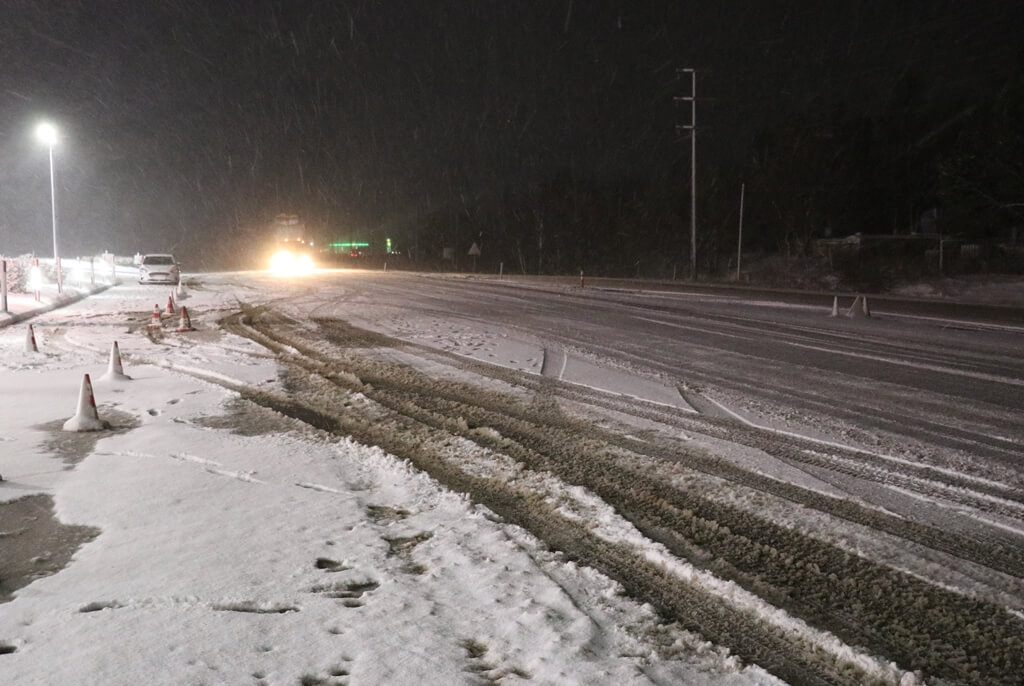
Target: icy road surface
<point x="395" y="478"/>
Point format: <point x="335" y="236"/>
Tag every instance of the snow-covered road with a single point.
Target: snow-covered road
<point x="395" y="478"/>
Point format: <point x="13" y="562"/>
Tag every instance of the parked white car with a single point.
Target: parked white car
<point x="160" y="268"/>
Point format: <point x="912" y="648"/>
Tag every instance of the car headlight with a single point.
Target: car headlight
<point x="281" y="262"/>
<point x="287" y="263"/>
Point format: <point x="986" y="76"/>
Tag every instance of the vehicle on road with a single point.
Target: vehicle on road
<point x="159" y="268"/>
<point x="293" y="252"/>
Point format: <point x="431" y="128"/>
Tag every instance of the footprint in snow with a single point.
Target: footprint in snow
<point x="329" y="565"/>
<point x="254" y="607"/>
<point x="382" y="514"/>
<point x="486" y="669"/>
<point x="350" y="593"/>
<point x="334" y="675"/>
<point x="100" y="605"/>
<point x="402" y="547"/>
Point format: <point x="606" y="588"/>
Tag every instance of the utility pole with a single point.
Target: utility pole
<point x="739" y="237"/>
<point x="693" y="168"/>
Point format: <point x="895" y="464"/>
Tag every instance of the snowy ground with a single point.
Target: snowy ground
<point x="215" y="541"/>
<point x="229" y="545"/>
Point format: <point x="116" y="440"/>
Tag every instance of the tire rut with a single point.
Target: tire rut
<point x="865" y="603"/>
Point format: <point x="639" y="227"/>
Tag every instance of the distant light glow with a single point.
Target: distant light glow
<point x="35" y="278"/>
<point x="78" y="274"/>
<point x="47" y="133"/>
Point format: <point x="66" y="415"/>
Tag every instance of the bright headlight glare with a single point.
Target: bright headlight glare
<point x="287" y="263"/>
<point x="35" y="278"/>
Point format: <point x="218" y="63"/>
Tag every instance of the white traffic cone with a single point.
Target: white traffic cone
<point x="186" y="323"/>
<point x="86" y="418"/>
<point x="180" y="290"/>
<point x="855" y="308"/>
<point x="835" y="306"/>
<point x="859" y="308"/>
<point x="115" y="370"/>
<point x="155" y="322"/>
<point x="170" y="306"/>
<point x="30" y="341"/>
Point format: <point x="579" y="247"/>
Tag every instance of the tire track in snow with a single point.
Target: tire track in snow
<point x="430" y="408"/>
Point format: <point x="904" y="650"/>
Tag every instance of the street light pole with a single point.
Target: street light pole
<point x="47" y="133"/>
<point x="53" y="214"/>
<point x="739" y="237"/>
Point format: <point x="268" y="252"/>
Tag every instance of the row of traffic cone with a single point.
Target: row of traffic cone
<point x="859" y="308"/>
<point x="87" y="417"/>
<point x="115" y="370"/>
<point x="184" y="324"/>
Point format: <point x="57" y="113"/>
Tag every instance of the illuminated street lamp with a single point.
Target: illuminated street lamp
<point x="47" y="133"/>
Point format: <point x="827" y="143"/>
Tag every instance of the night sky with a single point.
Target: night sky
<point x="188" y="124"/>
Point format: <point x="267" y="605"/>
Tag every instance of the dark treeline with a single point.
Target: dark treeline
<point x="949" y="168"/>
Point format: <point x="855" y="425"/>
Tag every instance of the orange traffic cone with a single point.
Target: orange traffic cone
<point x="835" y="306"/>
<point x="86" y="418"/>
<point x="185" y="324"/>
<point x="170" y="305"/>
<point x="115" y="370"/>
<point x="30" y="341"/>
<point x="155" y="322"/>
